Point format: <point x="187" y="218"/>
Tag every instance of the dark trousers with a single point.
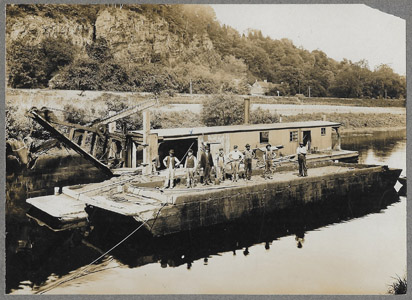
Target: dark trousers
<point x="268" y="168"/>
<point x="303" y="171"/>
<point x="248" y="168"/>
<point x="206" y="174"/>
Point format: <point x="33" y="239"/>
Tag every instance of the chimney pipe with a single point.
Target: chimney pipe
<point x="247" y="110"/>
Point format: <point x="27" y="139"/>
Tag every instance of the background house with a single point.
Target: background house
<point x="260" y="88"/>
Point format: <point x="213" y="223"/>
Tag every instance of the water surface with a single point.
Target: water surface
<point x="353" y="246"/>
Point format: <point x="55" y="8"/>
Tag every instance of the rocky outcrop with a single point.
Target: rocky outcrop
<point x="33" y="29"/>
<point x="135" y="38"/>
<point x="131" y="36"/>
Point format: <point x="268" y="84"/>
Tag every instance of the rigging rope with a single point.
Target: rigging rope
<point x="80" y="272"/>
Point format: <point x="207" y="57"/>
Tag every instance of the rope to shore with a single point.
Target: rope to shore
<point x="80" y="273"/>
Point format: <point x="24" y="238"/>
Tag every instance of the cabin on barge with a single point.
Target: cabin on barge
<point x="315" y="135"/>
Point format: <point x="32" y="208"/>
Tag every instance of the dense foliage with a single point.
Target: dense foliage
<point x="33" y="66"/>
<point x="230" y="62"/>
<point x="223" y="110"/>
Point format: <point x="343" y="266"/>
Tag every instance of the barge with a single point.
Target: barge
<point x="133" y="192"/>
<point x="162" y="212"/>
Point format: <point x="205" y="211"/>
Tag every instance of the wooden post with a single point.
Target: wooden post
<point x="84" y="137"/>
<point x="93" y="146"/>
<point x="112" y="128"/>
<point x="134" y="158"/>
<point x="146" y="150"/>
<point x="71" y="133"/>
<point x="338" y="145"/>
<point x="247" y="110"/>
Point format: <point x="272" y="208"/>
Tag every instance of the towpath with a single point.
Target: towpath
<point x="295" y="109"/>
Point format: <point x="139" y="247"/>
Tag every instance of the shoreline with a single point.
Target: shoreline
<point x="371" y="129"/>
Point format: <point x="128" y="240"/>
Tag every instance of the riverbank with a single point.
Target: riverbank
<point x="355" y="121"/>
<point x="365" y="131"/>
<point x="85" y="106"/>
<point x="47" y="96"/>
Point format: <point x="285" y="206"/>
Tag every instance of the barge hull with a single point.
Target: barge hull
<point x="198" y="210"/>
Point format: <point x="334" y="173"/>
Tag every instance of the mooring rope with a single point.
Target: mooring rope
<point x="80" y="272"/>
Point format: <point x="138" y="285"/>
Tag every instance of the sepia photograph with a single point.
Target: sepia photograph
<point x="205" y="149"/>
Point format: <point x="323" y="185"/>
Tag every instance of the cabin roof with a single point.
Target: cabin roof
<point x="196" y="131"/>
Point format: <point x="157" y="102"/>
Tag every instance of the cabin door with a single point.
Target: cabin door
<point x="307" y="139"/>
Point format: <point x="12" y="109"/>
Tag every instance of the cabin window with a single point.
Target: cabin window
<point x="323" y="131"/>
<point x="293" y="136"/>
<point x="264" y="137"/>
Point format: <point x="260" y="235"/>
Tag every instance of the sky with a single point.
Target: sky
<point x="351" y="31"/>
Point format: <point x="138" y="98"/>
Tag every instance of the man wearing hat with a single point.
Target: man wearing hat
<point x="220" y="165"/>
<point x="248" y="156"/>
<point x="190" y="165"/>
<point x="235" y="158"/>
<point x="268" y="157"/>
<point x="301" y="152"/>
<point x="170" y="162"/>
<point x="206" y="162"/>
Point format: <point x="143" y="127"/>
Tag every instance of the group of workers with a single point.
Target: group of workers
<point x="234" y="159"/>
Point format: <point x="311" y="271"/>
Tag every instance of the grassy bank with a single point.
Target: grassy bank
<point x="47" y="97"/>
<point x="83" y="107"/>
<point x="332" y="101"/>
<point x="355" y="121"/>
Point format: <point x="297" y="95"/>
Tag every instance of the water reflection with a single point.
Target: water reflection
<point x="35" y="255"/>
<point x="61" y="253"/>
<point x="381" y="143"/>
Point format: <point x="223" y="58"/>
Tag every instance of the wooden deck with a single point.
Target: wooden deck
<point x="126" y="196"/>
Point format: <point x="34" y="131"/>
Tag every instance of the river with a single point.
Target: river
<point x="333" y="249"/>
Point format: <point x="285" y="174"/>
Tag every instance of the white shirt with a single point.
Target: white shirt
<point x="301" y="150"/>
<point x="173" y="160"/>
<point x="235" y="155"/>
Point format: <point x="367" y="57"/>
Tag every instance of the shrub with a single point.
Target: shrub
<point x="222" y="110"/>
<point x="155" y="80"/>
<point x="32" y="66"/>
<point x="27" y="67"/>
<point x="263" y="116"/>
<point x="398" y="287"/>
<point x="175" y="119"/>
<point x="16" y="123"/>
<point x="75" y="115"/>
<point x="80" y="75"/>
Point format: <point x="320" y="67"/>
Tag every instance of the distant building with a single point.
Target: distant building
<point x="260" y="88"/>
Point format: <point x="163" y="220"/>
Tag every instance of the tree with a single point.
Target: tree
<point x="32" y="66"/>
<point x="263" y="116"/>
<point x="386" y="83"/>
<point x="80" y="75"/>
<point x="27" y="66"/>
<point x="99" y="50"/>
<point x="222" y="110"/>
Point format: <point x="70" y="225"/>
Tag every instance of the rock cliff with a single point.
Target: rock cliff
<point x="131" y="36"/>
<point x="33" y="29"/>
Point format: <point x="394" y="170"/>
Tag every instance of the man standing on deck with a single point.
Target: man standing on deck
<point x="268" y="157"/>
<point x="220" y="165"/>
<point x="235" y="158"/>
<point x="170" y="162"/>
<point x="248" y="155"/>
<point x="190" y="165"/>
<point x="301" y="152"/>
<point x="206" y="162"/>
